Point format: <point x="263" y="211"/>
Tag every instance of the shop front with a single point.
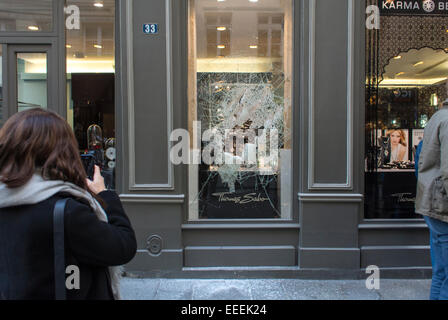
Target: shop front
<point x="245" y="137"/>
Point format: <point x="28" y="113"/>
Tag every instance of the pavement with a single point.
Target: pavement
<point x="272" y="289"/>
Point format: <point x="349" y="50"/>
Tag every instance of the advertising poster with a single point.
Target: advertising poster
<point x="394" y="147"/>
<point x="417" y="136"/>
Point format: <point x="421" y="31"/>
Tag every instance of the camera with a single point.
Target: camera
<point x="88" y="160"/>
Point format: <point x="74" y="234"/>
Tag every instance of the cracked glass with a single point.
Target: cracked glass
<point x="240" y="64"/>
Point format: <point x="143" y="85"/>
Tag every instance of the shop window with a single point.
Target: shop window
<point x="26" y="15"/>
<point x="90" y="48"/>
<point x="240" y="64"/>
<point x="406" y="83"/>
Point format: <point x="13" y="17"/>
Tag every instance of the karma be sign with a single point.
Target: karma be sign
<point x="150" y="28"/>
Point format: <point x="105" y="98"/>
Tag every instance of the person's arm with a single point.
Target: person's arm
<point x="99" y="243"/>
<point x="443" y="138"/>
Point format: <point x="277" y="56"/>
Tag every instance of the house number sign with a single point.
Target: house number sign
<point x="150" y="28"/>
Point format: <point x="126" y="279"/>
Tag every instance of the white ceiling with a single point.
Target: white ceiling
<point x="425" y="66"/>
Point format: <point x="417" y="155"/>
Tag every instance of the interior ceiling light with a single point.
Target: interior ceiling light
<point x="221" y="28"/>
<point x="33" y="28"/>
<point x="68" y="46"/>
<point x="98" y="46"/>
<point x="98" y="4"/>
<point x="410" y="82"/>
<point x="253" y="47"/>
<point x="253" y="1"/>
<point x="221" y="46"/>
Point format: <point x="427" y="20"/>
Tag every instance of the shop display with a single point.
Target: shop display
<point x="96" y="155"/>
<point x="110" y="152"/>
<point x="405" y="83"/>
<point x="95" y="144"/>
<point x="395" y="148"/>
<point x="245" y="184"/>
<point x="417" y="137"/>
<point x="240" y="89"/>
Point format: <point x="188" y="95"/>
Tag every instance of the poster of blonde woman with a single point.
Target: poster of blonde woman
<point x="393" y="148"/>
<point x="399" y="145"/>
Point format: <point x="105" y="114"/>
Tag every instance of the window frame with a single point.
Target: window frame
<point x="298" y="16"/>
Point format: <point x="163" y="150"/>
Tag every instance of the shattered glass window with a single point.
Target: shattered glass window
<point x="240" y="64"/>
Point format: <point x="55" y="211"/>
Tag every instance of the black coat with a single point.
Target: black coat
<point x="26" y="248"/>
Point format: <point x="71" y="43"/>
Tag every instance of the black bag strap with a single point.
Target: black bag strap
<point x="59" y="249"/>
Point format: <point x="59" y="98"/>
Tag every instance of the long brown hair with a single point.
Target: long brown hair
<point x="38" y="139"/>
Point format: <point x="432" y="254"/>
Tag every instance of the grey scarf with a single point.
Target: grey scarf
<point x="38" y="189"/>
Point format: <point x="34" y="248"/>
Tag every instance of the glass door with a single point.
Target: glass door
<point x="32" y="76"/>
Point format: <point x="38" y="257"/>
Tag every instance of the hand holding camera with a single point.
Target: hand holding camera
<point x="97" y="184"/>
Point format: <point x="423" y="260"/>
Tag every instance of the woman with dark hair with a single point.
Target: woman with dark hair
<point x="39" y="165"/>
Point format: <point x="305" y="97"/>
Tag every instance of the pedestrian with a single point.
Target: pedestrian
<point x="418" y="150"/>
<point x="39" y="165"/>
<point x="432" y="200"/>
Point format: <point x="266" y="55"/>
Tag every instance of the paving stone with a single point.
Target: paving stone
<point x="139" y="289"/>
<point x="357" y="290"/>
<point x="178" y="289"/>
<point x="267" y="289"/>
<point x="271" y="289"/>
<point x="221" y="290"/>
<point x="404" y="289"/>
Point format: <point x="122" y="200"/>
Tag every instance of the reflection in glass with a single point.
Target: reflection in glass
<point x="31" y="80"/>
<point x="240" y="90"/>
<point x="26" y="15"/>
